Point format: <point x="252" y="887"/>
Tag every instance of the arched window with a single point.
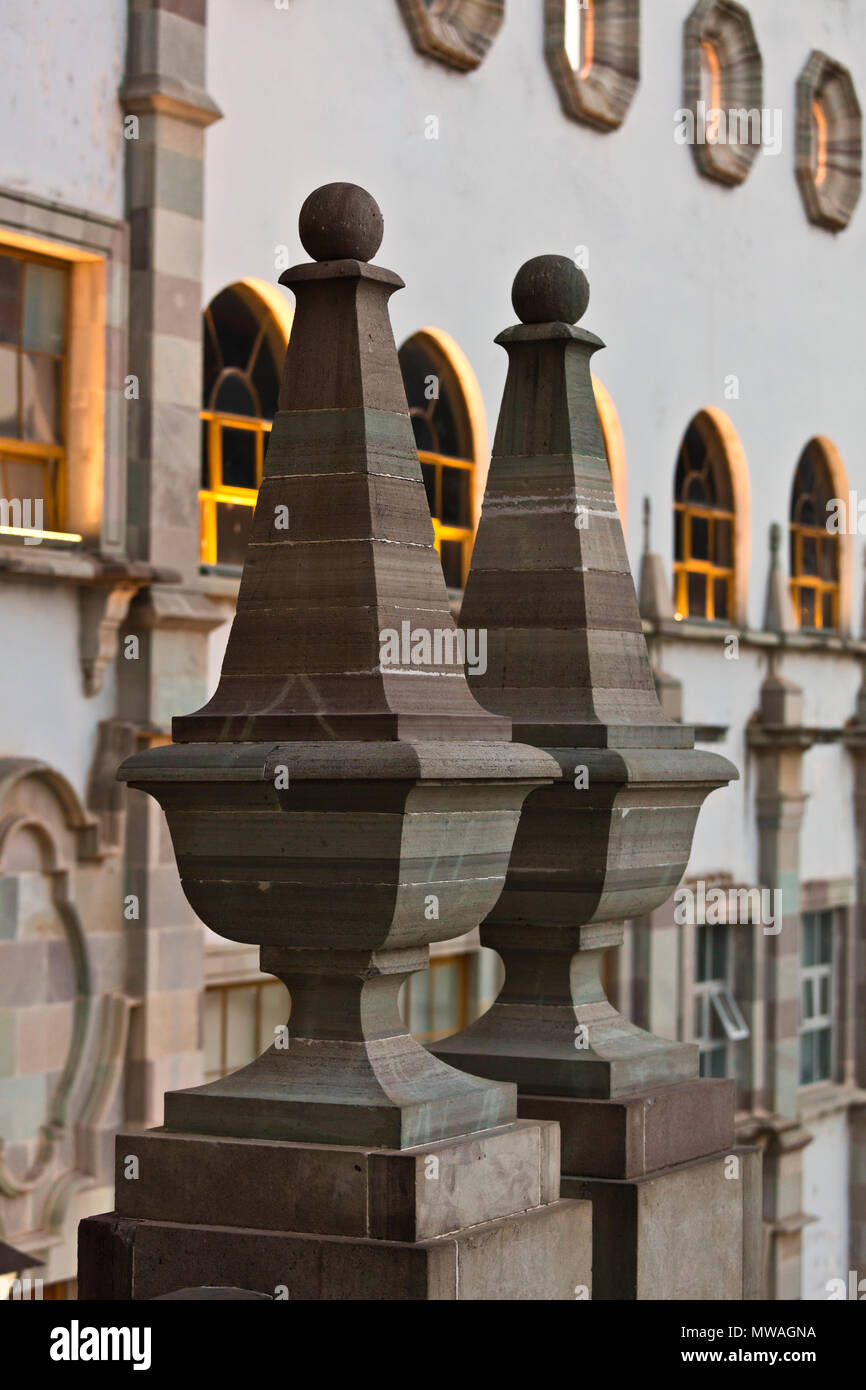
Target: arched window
<point x="815" y="552"/>
<point x="246" y="329"/>
<point x="704" y="519"/>
<point x="448" y="420"/>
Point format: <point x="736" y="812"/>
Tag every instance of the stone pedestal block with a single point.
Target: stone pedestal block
<point x="478" y="1217"/>
<point x="687" y="1232"/>
<point x="632" y="1136"/>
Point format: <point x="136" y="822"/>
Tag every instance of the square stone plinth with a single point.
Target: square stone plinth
<point x="322" y="1189"/>
<point x="544" y="1254"/>
<point x="631" y="1136"/>
<point x="688" y="1232"/>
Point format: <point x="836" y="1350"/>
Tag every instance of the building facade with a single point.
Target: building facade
<point x="701" y="162"/>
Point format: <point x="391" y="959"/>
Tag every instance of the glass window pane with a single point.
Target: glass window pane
<point x="678" y="535"/>
<point x="24" y="479"/>
<point x="213" y="1032"/>
<point x="697" y="595"/>
<point x="40" y="399"/>
<point x="810" y="555"/>
<point x="807" y="607"/>
<point x="805" y="1000"/>
<point x="701" y="954"/>
<point x="823" y="1068"/>
<point x="720" y="953"/>
<point x="807" y="1062"/>
<point x="425" y="441"/>
<point x="722" y="546"/>
<point x="446" y="996"/>
<point x="234" y="522"/>
<point x="44" y="328"/>
<point x="239" y="457"/>
<point x="10" y="302"/>
<point x="274" y="1012"/>
<point x="452" y="563"/>
<point x="241" y="1027"/>
<point x="827" y="618"/>
<point x="700" y="538"/>
<point x="720" y="598"/>
<point x="826" y="946"/>
<point x="829" y="558"/>
<point x="455" y="497"/>
<point x="419" y="1003"/>
<point x="233" y="397"/>
<point x="824" y="995"/>
<point x="266" y="380"/>
<point x="8" y="393"/>
<point x="808" y="954"/>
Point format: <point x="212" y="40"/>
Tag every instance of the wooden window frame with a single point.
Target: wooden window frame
<point x="689" y="565"/>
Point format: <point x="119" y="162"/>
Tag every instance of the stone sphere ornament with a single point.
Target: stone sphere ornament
<point x="341" y="222"/>
<point x="550" y="289"/>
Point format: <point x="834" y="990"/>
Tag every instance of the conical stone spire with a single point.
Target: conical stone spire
<point x="342" y="628"/>
<point x="550" y="578"/>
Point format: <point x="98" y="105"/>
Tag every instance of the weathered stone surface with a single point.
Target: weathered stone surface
<point x="540" y="1255"/>
<point x="684" y="1233"/>
<point x="568" y="663"/>
<point x="634" y="1136"/>
<point x="337" y="802"/>
<point x="408" y="1195"/>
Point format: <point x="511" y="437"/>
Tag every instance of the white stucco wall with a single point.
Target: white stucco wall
<point x="61" y="121"/>
<point x="690" y="281"/>
<point x="825" y="1195"/>
<point x="45" y="712"/>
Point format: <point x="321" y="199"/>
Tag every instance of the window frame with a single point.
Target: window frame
<point x="812" y="975"/>
<point x="684" y="513"/>
<point x="797" y="533"/>
<point x="17" y="450"/>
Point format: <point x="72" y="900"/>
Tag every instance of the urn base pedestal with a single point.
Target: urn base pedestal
<point x="676" y="1203"/>
<point x="478" y="1217"/>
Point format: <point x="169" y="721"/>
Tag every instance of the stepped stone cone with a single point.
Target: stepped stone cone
<point x="568" y="663"/>
<point x="339" y="812"/>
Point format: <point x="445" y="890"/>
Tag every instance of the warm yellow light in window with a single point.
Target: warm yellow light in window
<point x="819" y="143"/>
<point x="580" y="35"/>
<point x="40" y="535"/>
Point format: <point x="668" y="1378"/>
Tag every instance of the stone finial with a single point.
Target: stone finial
<point x="567" y="659"/>
<point x="342" y="628"/>
<point x="339" y="809"/>
<point x="341" y="221"/>
<point x="550" y="289"/>
<point x="654" y="590"/>
<point x="778" y="612"/>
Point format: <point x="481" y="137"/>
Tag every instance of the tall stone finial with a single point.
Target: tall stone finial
<point x="336" y="808"/>
<point x="778" y="612"/>
<point x="654" y="592"/>
<point x="567" y="661"/>
<point x="342" y="628"/>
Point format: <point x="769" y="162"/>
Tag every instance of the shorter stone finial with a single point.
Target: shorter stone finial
<point x="778" y="614"/>
<point x="341" y="222"/>
<point x="647" y="514"/>
<point x="550" y="289"/>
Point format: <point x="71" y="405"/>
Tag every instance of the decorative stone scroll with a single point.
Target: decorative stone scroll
<point x="829" y="158"/>
<point x="593" y="52"/>
<point x="457" y="32"/>
<point x="723" y="71"/>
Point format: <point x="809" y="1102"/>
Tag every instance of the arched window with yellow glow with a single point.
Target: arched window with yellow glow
<point x="704" y="522"/>
<point x="246" y="329"/>
<point x="448" y="421"/>
<point x="815" y="552"/>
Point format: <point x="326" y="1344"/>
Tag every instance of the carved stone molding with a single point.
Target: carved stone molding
<point x="720" y="33"/>
<point x="829" y="149"/>
<point x="457" y="32"/>
<point x="596" y="79"/>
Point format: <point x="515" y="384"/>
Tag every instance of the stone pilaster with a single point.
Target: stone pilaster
<point x="163" y="659"/>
